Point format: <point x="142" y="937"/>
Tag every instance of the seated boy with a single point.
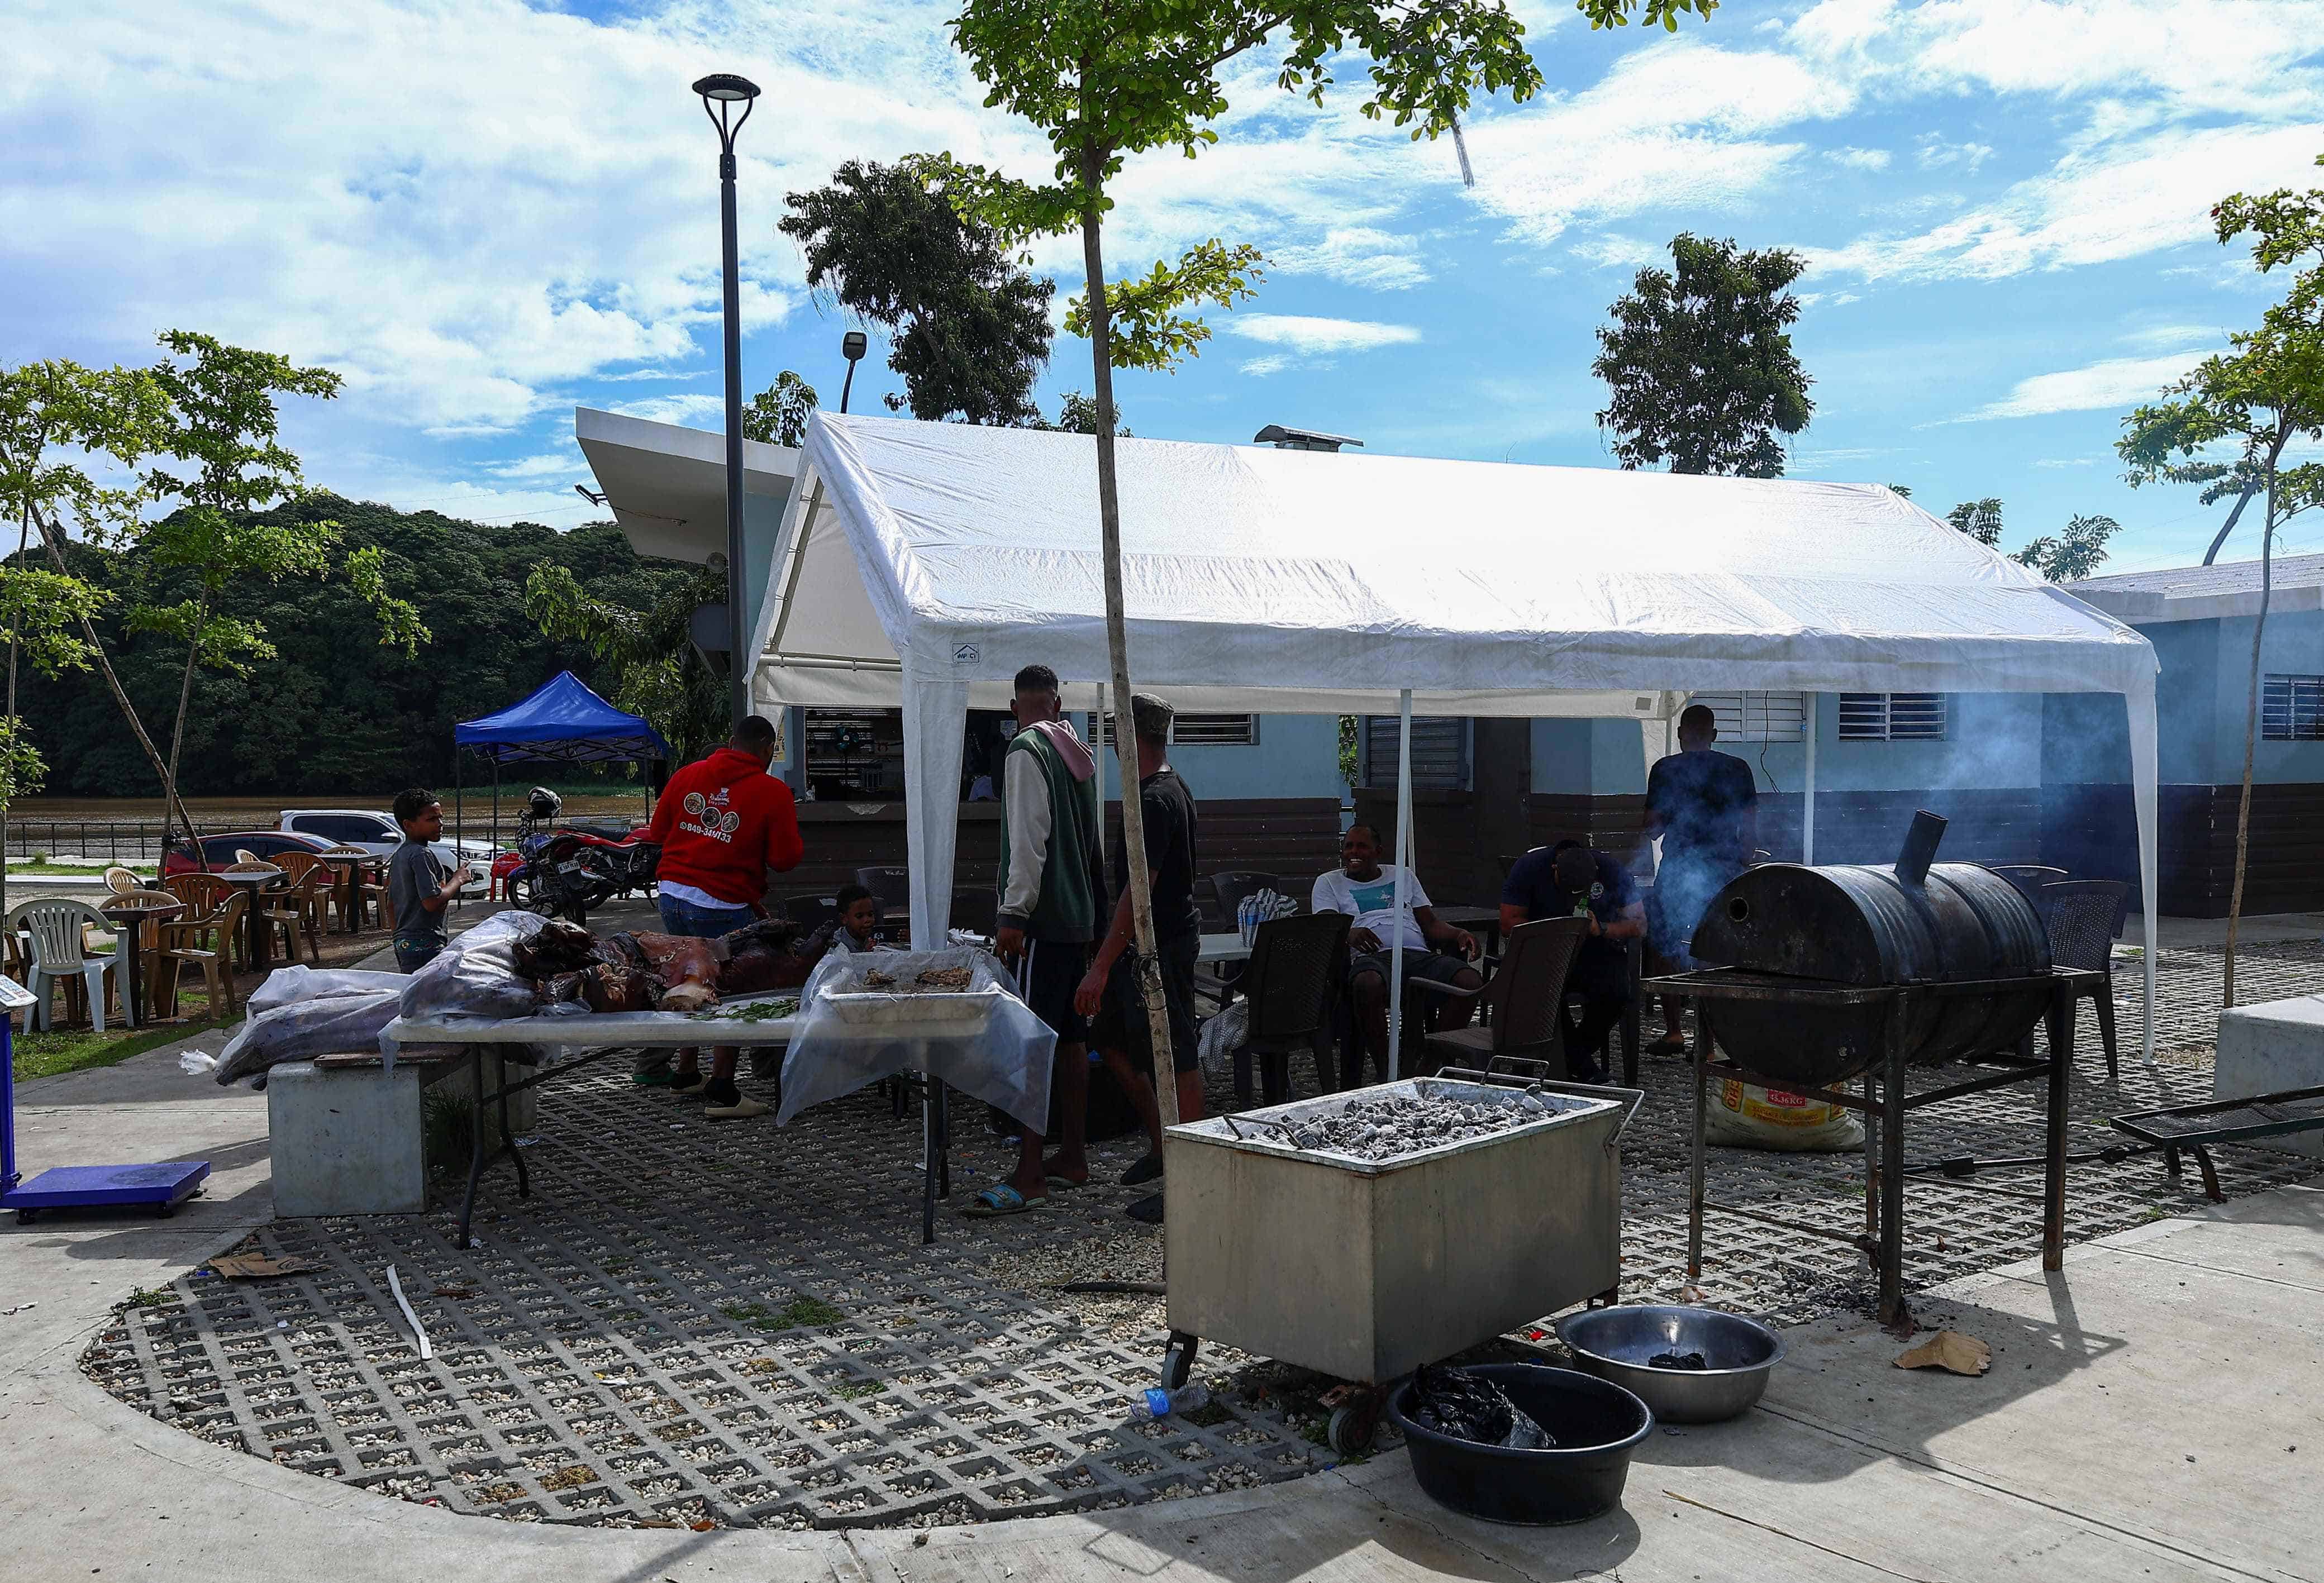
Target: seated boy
<point x="859" y="915"/>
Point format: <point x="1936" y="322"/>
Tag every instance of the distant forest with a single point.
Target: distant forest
<point x="334" y="713"/>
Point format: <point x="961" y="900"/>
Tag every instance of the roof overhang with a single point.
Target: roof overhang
<point x="2141" y="607"/>
<point x="666" y="484"/>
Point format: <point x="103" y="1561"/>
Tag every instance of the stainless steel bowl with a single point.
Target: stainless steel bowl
<point x="1615" y="1343"/>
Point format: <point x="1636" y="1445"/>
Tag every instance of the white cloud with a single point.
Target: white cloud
<point x="552" y="465"/>
<point x="1260" y="367"/>
<point x="1856" y="158"/>
<point x="2057" y="461"/>
<point x="1611" y="251"/>
<point x="1935" y="153"/>
<point x="1317" y="336"/>
<point x="1359" y="256"/>
<point x="2161" y="337"/>
<point x="2115" y="381"/>
<point x="2150" y="195"/>
<point x="687" y="408"/>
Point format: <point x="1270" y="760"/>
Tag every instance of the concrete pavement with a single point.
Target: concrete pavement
<point x="2152" y="1412"/>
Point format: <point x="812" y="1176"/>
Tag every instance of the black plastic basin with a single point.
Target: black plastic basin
<point x="1597" y="1426"/>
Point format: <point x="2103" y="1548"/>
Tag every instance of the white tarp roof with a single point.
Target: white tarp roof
<point x="1321" y="582"/>
<point x="1309" y="582"/>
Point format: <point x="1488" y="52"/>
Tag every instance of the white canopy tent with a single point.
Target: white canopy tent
<point x="922" y="563"/>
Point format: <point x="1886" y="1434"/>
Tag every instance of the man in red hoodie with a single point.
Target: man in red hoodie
<point x="722" y="824"/>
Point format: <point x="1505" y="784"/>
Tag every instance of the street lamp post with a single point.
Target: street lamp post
<point x="852" y="347"/>
<point x="721" y="92"/>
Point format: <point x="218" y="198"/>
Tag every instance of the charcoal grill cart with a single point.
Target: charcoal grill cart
<point x="1843" y="971"/>
<point x="1366" y="1269"/>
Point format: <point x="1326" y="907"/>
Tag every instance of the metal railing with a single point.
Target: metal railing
<point x="116" y="841"/>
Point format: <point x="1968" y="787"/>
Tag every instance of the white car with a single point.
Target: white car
<point x="379" y="833"/>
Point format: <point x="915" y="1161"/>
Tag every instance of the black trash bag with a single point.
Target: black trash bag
<point x="557" y="947"/>
<point x="1454" y="1401"/>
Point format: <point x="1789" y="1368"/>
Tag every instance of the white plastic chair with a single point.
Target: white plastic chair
<point x="56" y="925"/>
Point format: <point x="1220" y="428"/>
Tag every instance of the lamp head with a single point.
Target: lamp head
<point x="727" y="86"/>
<point x="853" y="345"/>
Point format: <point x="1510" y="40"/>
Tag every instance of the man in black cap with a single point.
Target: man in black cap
<point x="1705" y="806"/>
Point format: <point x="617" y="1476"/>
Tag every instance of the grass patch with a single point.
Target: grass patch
<point x="53" y="1051"/>
<point x="95" y="871"/>
<point x="1210" y="1415"/>
<point x="447" y="1129"/>
<point x="797" y="1312"/>
<point x="858" y="1391"/>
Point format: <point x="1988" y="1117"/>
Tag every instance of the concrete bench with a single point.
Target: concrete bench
<point x="2267" y="1049"/>
<point x="349" y="1137"/>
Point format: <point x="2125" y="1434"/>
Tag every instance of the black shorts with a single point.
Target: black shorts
<point x="1047" y="978"/>
<point x="1122" y="1022"/>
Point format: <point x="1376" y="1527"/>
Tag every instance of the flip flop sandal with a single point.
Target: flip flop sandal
<point x="1668" y="1044"/>
<point x="1147" y="1168"/>
<point x="1067" y="1182"/>
<point x="1000" y="1199"/>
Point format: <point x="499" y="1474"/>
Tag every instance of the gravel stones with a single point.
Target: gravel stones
<point x="1387" y="1126"/>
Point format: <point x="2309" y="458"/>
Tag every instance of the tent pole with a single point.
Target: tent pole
<point x="1403" y="887"/>
<point x="1807" y="805"/>
<point x="459" y="856"/>
<point x="496" y="819"/>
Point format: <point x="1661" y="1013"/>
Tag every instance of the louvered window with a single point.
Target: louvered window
<point x="1198" y="730"/>
<point x="1756" y="717"/>
<point x="1892" y="717"/>
<point x="2291" y="708"/>
<point x="1439" y="751"/>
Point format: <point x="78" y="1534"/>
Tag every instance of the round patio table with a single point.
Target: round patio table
<point x="346" y="881"/>
<point x="253" y="878"/>
<point x="133" y="912"/>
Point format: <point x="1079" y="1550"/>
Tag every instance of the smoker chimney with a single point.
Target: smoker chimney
<point x="1300" y="440"/>
<point x="1919" y="847"/>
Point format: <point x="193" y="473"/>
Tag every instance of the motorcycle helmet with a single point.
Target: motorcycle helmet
<point x="543" y="805"/>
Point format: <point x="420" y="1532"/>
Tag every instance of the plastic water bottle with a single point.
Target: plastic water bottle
<point x="1161" y="1403"/>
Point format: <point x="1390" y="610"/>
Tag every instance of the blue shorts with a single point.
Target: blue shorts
<point x="696" y="921"/>
<point x="411" y="955"/>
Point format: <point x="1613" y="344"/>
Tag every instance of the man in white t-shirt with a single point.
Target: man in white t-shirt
<point x="1364" y="888"/>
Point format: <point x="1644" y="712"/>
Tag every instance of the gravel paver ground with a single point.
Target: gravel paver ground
<point x="691" y="1323"/>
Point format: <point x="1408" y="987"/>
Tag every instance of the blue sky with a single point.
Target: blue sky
<point x="485" y="213"/>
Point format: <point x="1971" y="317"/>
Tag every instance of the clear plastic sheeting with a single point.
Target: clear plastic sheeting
<point x="981" y="1040"/>
<point x="301" y="1012"/>
<point x="475" y="975"/>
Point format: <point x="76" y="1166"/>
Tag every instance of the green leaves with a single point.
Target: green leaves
<point x="400" y="626"/>
<point x="655" y="671"/>
<point x="897" y="247"/>
<point x="40" y="608"/>
<point x="1604" y="14"/>
<point x="778" y="415"/>
<point x="1699" y="364"/>
<point x="1146" y="328"/>
<point x="1980" y="520"/>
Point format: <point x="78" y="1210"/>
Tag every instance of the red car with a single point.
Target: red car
<point x="218" y="850"/>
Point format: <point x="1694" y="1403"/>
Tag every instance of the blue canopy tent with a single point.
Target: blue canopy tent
<point x="564" y="722"/>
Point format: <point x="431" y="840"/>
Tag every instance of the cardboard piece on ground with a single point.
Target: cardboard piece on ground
<point x="251" y="1266"/>
<point x="1951" y="1351"/>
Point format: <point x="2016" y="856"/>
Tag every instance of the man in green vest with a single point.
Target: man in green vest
<point x="1052" y="907"/>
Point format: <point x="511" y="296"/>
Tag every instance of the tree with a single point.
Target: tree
<point x="1980" y="520"/>
<point x="221" y="422"/>
<point x="1105" y="81"/>
<point x="49" y="410"/>
<point x="2226" y="423"/>
<point x="657" y="671"/>
<point x="969" y="328"/>
<point x="2074" y="553"/>
<point x="1077" y="414"/>
<point x="778" y="415"/>
<point x="1700" y="363"/>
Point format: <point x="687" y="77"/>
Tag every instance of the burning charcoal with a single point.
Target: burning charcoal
<point x="1457" y="1402"/>
<point x="1686" y="1360"/>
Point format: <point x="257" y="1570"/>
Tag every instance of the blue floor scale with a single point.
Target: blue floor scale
<point x="158" y="1188"/>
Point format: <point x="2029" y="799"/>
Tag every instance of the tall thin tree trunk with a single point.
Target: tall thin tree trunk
<point x="53" y="540"/>
<point x="1117" y="637"/>
<point x="184" y="701"/>
<point x="2229" y="526"/>
<point x="2251" y="713"/>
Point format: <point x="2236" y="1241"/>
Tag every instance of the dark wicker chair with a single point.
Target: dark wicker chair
<point x="2029" y="878"/>
<point x="810" y="911"/>
<point x="2084" y="917"/>
<point x="1525" y="999"/>
<point x="1295" y="966"/>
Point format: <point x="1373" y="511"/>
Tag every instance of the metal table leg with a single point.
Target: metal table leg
<point x="1696" y="1153"/>
<point x="1891" y="1166"/>
<point x="929" y="1168"/>
<point x="476" y="1138"/>
<point x="2053" y="1173"/>
<point x="508" y="1133"/>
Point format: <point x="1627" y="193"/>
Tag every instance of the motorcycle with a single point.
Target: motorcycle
<point x="569" y="872"/>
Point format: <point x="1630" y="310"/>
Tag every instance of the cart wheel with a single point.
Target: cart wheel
<point x="24" y="1217"/>
<point x="1178" y="1361"/>
<point x="164" y="1210"/>
<point x="1352" y="1427"/>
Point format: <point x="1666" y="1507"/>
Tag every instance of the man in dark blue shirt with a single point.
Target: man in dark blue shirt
<point x="1569" y="880"/>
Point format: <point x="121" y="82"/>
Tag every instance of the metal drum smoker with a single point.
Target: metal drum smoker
<point x="1829" y="973"/>
<point x="1284" y="1244"/>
